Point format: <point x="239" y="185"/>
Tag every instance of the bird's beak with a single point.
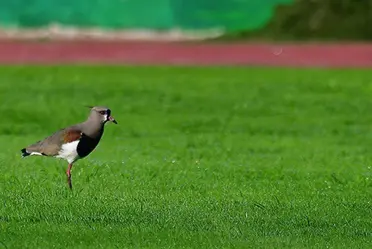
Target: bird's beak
<point x="111" y="118"/>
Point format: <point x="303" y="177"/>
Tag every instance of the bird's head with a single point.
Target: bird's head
<point x="102" y="113"/>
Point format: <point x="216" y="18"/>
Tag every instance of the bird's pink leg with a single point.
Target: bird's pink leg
<point x="68" y="172"/>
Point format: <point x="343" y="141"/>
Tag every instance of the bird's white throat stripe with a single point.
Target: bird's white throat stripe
<point x="36" y="154"/>
<point x="69" y="152"/>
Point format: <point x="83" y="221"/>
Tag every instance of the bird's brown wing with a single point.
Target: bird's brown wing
<point x="71" y="135"/>
<point x="50" y="146"/>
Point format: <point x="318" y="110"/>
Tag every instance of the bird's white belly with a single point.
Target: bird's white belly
<point x="69" y="152"/>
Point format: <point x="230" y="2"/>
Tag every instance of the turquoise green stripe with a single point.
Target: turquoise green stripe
<point x="231" y="15"/>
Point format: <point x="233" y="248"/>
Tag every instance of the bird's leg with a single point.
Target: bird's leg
<point x="68" y="172"/>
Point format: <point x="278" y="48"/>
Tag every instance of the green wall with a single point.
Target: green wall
<point x="233" y="15"/>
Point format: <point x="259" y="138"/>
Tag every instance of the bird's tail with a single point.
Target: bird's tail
<point x="25" y="153"/>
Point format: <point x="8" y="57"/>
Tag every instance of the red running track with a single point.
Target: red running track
<point x="148" y="53"/>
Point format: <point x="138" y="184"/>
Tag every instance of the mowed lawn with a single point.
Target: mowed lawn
<point x="201" y="158"/>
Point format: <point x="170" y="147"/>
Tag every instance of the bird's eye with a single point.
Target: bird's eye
<point x="102" y="112"/>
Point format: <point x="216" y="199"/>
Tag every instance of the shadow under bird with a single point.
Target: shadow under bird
<point x="74" y="142"/>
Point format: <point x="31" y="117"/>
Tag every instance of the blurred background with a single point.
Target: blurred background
<point x="192" y="19"/>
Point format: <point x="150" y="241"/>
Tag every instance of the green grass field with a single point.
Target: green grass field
<point x="201" y="158"/>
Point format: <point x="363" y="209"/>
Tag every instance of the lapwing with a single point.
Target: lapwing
<point x="74" y="142"/>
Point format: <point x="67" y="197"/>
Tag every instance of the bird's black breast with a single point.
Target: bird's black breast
<point x="86" y="145"/>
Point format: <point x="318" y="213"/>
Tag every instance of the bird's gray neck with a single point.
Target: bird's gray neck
<point x="93" y="129"/>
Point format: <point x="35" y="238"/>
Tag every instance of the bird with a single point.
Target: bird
<point x="74" y="142"/>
